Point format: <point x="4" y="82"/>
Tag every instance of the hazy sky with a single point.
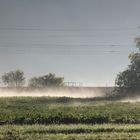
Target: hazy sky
<point x="86" y="41"/>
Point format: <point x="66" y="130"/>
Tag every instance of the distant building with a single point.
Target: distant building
<point x="73" y="84"/>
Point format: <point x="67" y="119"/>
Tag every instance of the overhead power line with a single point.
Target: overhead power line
<point x="62" y="49"/>
<point x="66" y="29"/>
<point x="61" y="46"/>
<point x="64" y="52"/>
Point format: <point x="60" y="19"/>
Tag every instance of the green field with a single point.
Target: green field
<point x="70" y="132"/>
<point x="43" y="110"/>
<point x="61" y="118"/>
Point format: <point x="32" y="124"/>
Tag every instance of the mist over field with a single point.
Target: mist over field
<point x="131" y="99"/>
<point x="74" y="92"/>
<point x="69" y="69"/>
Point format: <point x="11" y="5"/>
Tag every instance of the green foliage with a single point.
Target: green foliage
<point x="13" y="78"/>
<point x="128" y="81"/>
<point x="70" y="132"/>
<point x="47" y="118"/>
<point x="54" y="111"/>
<point x="46" y="81"/>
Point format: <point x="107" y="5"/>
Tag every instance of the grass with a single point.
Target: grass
<point x="70" y="132"/>
<point x="46" y="118"/>
<point x="47" y="110"/>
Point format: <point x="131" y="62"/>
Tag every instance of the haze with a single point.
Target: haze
<point x="59" y="92"/>
<point x="84" y="41"/>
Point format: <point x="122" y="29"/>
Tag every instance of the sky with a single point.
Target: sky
<point x="85" y="41"/>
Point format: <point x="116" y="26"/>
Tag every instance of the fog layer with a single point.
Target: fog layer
<point x="60" y="92"/>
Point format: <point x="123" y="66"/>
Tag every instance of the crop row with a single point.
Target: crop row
<point x="39" y="111"/>
<point x="70" y="132"/>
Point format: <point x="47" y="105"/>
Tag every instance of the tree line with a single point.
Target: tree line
<point x="128" y="81"/>
<point x="17" y="79"/>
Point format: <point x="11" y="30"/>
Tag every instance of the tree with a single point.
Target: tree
<point x="128" y="81"/>
<point x="36" y="82"/>
<point x="49" y="80"/>
<point x="13" y="78"/>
